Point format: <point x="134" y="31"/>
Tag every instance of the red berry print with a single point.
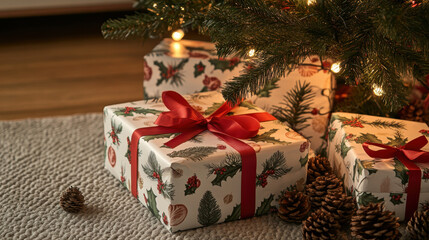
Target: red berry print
<point x="315" y="111"/>
<point x="122" y="179"/>
<point x="111" y="155"/>
<point x="221" y="147"/>
<point x="354" y="123"/>
<point x="303" y="146"/>
<point x="164" y="219"/>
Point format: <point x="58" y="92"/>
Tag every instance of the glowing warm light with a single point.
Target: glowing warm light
<point x="336" y="68"/>
<point x="178" y="35"/>
<point x="251" y="53"/>
<point x="378" y="91"/>
<point x="154" y="5"/>
<point x="309" y="2"/>
<point x="177" y="50"/>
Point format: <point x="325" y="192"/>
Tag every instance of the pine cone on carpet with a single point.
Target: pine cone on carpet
<point x="318" y="166"/>
<point x="72" y="200"/>
<point x="418" y="225"/>
<point x="340" y="206"/>
<point x="372" y="222"/>
<point x="320" y="225"/>
<point x="323" y="185"/>
<point x="415" y="111"/>
<point x="294" y="206"/>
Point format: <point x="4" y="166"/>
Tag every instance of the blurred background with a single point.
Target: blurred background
<point x="54" y="60"/>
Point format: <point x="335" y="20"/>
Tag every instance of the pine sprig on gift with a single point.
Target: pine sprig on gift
<point x="147" y="138"/>
<point x="274" y="167"/>
<point x="358" y="121"/>
<point x="296" y="103"/>
<point x="154" y="172"/>
<point x="129" y="111"/>
<point x="227" y="168"/>
<point x="116" y="129"/>
<point x="193" y="153"/>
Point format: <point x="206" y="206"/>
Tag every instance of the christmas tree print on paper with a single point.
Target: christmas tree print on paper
<point x="366" y="198"/>
<point x="154" y="172"/>
<point x="171" y="73"/>
<point x="265" y="206"/>
<point x="116" y="129"/>
<point x="265" y="92"/>
<point x="208" y="211"/>
<point x="225" y="64"/>
<point x="401" y="171"/>
<point x="193" y="153"/>
<point x="358" y="121"/>
<point x="266" y="137"/>
<point x="274" y="167"/>
<point x="129" y="111"/>
<point x="395" y="198"/>
<point x="235" y="215"/>
<point x="151" y="203"/>
<point x="227" y="168"/>
<point x="199" y="69"/>
<point x="192" y="184"/>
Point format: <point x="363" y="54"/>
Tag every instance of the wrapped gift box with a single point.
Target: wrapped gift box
<point x="198" y="183"/>
<point x="373" y="179"/>
<point x="192" y="66"/>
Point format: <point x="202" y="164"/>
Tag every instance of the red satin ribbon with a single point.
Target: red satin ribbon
<point x="407" y="154"/>
<point x="184" y="119"/>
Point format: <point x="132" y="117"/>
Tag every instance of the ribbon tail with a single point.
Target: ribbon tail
<point x="413" y="188"/>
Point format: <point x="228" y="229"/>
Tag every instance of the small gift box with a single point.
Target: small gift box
<point x="195" y="160"/>
<point x="381" y="160"/>
<point x="193" y="66"/>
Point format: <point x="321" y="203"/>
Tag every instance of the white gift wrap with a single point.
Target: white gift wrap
<point x="369" y="179"/>
<point x="193" y="66"/>
<point x="201" y="177"/>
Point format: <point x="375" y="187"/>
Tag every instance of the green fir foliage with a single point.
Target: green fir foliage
<point x="208" y="211"/>
<point x="265" y="92"/>
<point x="296" y="103"/>
<point x="129" y="111"/>
<point x="193" y="153"/>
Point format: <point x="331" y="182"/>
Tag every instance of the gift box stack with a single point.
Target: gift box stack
<point x="198" y="182"/>
<point x="381" y="160"/>
<point x="193" y="66"/>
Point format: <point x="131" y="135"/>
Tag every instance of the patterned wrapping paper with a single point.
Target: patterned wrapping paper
<point x="192" y="66"/>
<point x="369" y="179"/>
<point x="198" y="183"/>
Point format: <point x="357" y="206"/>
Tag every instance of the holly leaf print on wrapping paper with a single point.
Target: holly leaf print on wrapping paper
<point x="193" y="153"/>
<point x="154" y="172"/>
<point x="199" y="69"/>
<point x="395" y="198"/>
<point x="212" y="108"/>
<point x="265" y="206"/>
<point x="227" y="168"/>
<point x="208" y="212"/>
<point x="401" y="171"/>
<point x="398" y="141"/>
<point x="367" y="137"/>
<point x="151" y="203"/>
<point x="338" y="117"/>
<point x="224" y="64"/>
<point x="266" y="137"/>
<point x="129" y="111"/>
<point x="274" y="167"/>
<point x="235" y="215"/>
<point x="344" y="148"/>
<point x="147" y="138"/>
<point x="265" y="92"/>
<point x="332" y="133"/>
<point x="247" y="105"/>
<point x="303" y="160"/>
<point x="369" y="166"/>
<point x="171" y="73"/>
<point x="367" y="198"/>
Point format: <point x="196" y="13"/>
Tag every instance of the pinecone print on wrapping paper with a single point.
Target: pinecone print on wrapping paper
<point x="320" y="225"/>
<point x="293" y="206"/>
<point x="72" y="200"/>
<point x="372" y="222"/>
<point x="341" y="206"/>
<point x="415" y="111"/>
<point x="318" y="166"/>
<point x="418" y="225"/>
<point x="319" y="188"/>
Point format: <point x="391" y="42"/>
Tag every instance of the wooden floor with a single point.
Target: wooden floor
<point x="61" y="65"/>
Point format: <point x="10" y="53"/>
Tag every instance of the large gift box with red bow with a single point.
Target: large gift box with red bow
<point x="195" y="160"/>
<point x="381" y="160"/>
<point x="193" y="66"/>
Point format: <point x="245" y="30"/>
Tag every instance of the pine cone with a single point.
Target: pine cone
<point x="320" y="225"/>
<point x="318" y="166"/>
<point x="293" y="206"/>
<point x="415" y="111"/>
<point x="418" y="226"/>
<point x="72" y="200"/>
<point x="371" y="222"/>
<point x="323" y="185"/>
<point x="425" y="206"/>
<point x="340" y="206"/>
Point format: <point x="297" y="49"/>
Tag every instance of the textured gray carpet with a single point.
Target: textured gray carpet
<point x="42" y="157"/>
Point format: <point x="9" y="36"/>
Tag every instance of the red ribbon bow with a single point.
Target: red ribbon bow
<point x="407" y="154"/>
<point x="184" y="119"/>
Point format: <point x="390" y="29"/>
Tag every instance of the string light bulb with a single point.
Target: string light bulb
<point x="310" y="2"/>
<point x="178" y="35"/>
<point x="251" y="53"/>
<point x="378" y="91"/>
<point x="336" y="68"/>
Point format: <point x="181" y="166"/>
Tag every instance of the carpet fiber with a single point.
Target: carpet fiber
<point x="40" y="158"/>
